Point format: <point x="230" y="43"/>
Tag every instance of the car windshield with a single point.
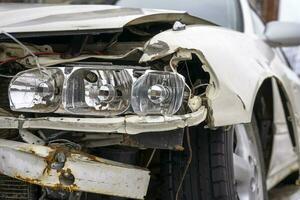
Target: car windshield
<point x="226" y="13"/>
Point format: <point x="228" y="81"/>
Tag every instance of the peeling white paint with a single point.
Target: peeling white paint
<point x="31" y="163"/>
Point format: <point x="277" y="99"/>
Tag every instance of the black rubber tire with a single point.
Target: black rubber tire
<point x="210" y="175"/>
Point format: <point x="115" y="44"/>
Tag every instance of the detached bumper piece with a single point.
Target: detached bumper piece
<point x="61" y="168"/>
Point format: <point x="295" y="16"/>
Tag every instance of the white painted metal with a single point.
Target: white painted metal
<point x="30" y="138"/>
<point x="235" y="91"/>
<point x="128" y="124"/>
<point x="32" y="163"/>
<point x="45" y="18"/>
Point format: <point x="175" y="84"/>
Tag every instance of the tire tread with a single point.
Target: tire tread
<point x="209" y="165"/>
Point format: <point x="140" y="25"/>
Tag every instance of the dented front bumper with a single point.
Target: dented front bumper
<point x="78" y="171"/>
<point x="131" y="124"/>
<point x="72" y="170"/>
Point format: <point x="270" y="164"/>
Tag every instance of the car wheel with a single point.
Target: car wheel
<point x="226" y="164"/>
<point x="248" y="163"/>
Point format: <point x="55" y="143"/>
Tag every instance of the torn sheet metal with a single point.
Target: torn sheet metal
<point x="237" y="74"/>
<point x="131" y="124"/>
<point x="60" y="168"/>
<point x="240" y="64"/>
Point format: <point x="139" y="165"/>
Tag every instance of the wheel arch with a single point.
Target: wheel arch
<point x="288" y="111"/>
<point x="264" y="111"/>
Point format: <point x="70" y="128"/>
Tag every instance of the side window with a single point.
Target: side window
<point x="258" y="25"/>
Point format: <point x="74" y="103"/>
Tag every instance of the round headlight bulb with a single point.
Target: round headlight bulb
<point x="106" y="93"/>
<point x="36" y="91"/>
<point x="158" y="94"/>
<point x="45" y="89"/>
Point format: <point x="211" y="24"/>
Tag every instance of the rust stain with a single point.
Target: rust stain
<point x="49" y="159"/>
<point x="70" y="188"/>
<point x="28" y="180"/>
<point x="89" y="156"/>
<point x="27" y="149"/>
<point x="68" y="171"/>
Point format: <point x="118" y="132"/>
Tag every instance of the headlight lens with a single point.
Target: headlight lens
<point x="158" y="92"/>
<point x="98" y="92"/>
<point x="36" y="91"/>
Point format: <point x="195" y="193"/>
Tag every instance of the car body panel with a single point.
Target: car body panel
<point x="234" y="54"/>
<point x="40" y="166"/>
<point x="233" y="98"/>
<point x="56" y="18"/>
<point x="240" y="64"/>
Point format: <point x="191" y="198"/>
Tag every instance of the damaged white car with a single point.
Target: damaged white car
<point x="106" y="102"/>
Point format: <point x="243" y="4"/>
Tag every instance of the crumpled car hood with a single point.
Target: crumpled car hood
<point x="24" y="18"/>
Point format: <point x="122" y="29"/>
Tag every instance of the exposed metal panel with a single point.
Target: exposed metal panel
<point x="36" y="164"/>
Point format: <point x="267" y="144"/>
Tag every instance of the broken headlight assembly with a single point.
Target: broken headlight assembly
<point x="94" y="91"/>
<point x="158" y="92"/>
<point x="99" y="90"/>
<point x="36" y="91"/>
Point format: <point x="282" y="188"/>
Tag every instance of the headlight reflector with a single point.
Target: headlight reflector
<point x="158" y="92"/>
<point x="102" y="92"/>
<point x="36" y="91"/>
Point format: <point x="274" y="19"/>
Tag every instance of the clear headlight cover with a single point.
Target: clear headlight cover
<point x="158" y="92"/>
<point x="103" y="92"/>
<point x="36" y="90"/>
